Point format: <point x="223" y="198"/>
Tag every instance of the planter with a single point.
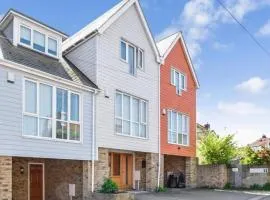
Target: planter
<point x="117" y="196"/>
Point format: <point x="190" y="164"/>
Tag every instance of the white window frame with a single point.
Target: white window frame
<point x="181" y="76"/>
<point x="53" y="118"/>
<point x="131" y="120"/>
<point x="31" y="46"/>
<point x="45" y="42"/>
<point x="169" y="113"/>
<point x="136" y="52"/>
<point x="52" y="38"/>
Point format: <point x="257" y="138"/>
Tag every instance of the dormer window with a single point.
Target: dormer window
<point x="52" y="46"/>
<point x="38" y="41"/>
<point x="25" y="35"/>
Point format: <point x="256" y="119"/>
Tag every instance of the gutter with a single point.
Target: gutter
<point x="159" y="151"/>
<point x="93" y="142"/>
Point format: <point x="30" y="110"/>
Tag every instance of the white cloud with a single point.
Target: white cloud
<point x="241" y="108"/>
<point x="254" y="85"/>
<point x="264" y="30"/>
<point x="199" y="18"/>
<point x="221" y="46"/>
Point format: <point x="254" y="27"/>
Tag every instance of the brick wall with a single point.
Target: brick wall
<point x="186" y="103"/>
<point x="5" y="178"/>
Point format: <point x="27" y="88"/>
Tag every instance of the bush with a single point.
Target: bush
<point x="256" y="187"/>
<point x="227" y="186"/>
<point x="266" y="186"/>
<point x="109" y="186"/>
<point x="161" y="189"/>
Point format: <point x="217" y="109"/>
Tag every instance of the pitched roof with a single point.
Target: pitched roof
<point x="263" y="141"/>
<point x="165" y="46"/>
<point x="18" y="13"/>
<point x="100" y="24"/>
<point x="24" y="56"/>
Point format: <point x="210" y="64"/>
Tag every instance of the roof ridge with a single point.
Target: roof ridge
<point x="166" y="37"/>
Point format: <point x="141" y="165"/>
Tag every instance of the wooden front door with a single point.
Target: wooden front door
<point x="36" y="181"/>
<point x="122" y="170"/>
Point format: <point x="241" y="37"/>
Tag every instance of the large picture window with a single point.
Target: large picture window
<point x="51" y="112"/>
<point x="178" y="128"/>
<point x="130" y="115"/>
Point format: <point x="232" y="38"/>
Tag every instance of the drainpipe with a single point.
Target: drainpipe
<point x="159" y="151"/>
<point x="93" y="141"/>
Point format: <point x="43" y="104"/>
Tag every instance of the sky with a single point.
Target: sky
<point x="233" y="71"/>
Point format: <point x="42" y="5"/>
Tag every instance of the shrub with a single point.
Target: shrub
<point x="227" y="186"/>
<point x="109" y="186"/>
<point x="266" y="186"/>
<point x="256" y="187"/>
<point x="161" y="189"/>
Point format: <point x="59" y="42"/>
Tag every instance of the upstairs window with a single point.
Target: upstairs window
<point x="25" y="35"/>
<point x="179" y="80"/>
<point x="39" y="41"/>
<point x="130" y="115"/>
<point x="178" y="128"/>
<point x="52" y="46"/>
<point x="132" y="55"/>
<point x="51" y="112"/>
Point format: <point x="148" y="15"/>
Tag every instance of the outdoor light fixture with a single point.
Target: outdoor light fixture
<point x="106" y="94"/>
<point x="163" y="111"/>
<point x="22" y="170"/>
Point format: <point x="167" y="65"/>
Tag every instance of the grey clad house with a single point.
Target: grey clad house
<point x="47" y="113"/>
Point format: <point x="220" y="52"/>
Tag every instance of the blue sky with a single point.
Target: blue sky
<point x="234" y="73"/>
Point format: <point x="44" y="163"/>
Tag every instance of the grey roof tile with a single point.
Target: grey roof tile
<point x="62" y="68"/>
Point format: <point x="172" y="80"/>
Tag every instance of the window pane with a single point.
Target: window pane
<point x="131" y="56"/>
<point x="74" y="107"/>
<point x="61" y="130"/>
<point x="45" y="128"/>
<point x="143" y="112"/>
<point x="61" y="101"/>
<point x="30" y="97"/>
<point x="45" y="100"/>
<point x="39" y="41"/>
<point x="126" y="127"/>
<point x="185" y="125"/>
<point x="30" y="126"/>
<point x="135" y="129"/>
<point x="126" y="114"/>
<point x="141" y="59"/>
<point x="169" y="120"/>
<point x="173" y="137"/>
<point x="173" y="121"/>
<point x="183" y="82"/>
<point x="177" y="83"/>
<point x="172" y="77"/>
<point x="179" y="121"/>
<point x="135" y="110"/>
<point x="25" y="37"/>
<point x="118" y="107"/>
<point x="74" y="132"/>
<point x="118" y="125"/>
<point x="143" y="130"/>
<point x="52" y="46"/>
<point x="180" y="138"/>
<point x="185" y="140"/>
<point x="123" y="50"/>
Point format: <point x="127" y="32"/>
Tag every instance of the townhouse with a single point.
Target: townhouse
<point x="47" y="112"/>
<point x="102" y="103"/>
<point x="118" y="53"/>
<point x="178" y="84"/>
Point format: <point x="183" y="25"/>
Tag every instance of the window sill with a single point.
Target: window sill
<point x="51" y="139"/>
<point x="183" y="145"/>
<point x="131" y="136"/>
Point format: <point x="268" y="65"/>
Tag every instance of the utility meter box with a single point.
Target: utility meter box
<point x="71" y="190"/>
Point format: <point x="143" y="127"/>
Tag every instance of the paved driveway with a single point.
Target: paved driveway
<point x="201" y="195"/>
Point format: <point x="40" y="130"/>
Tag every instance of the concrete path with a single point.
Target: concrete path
<point x="202" y="195"/>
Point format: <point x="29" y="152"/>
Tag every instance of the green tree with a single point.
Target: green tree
<point x="215" y="149"/>
<point x="251" y="157"/>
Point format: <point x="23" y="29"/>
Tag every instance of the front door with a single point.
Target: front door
<point x="122" y="170"/>
<point x="36" y="181"/>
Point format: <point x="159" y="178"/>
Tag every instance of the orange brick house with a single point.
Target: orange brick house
<point x="178" y="84"/>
